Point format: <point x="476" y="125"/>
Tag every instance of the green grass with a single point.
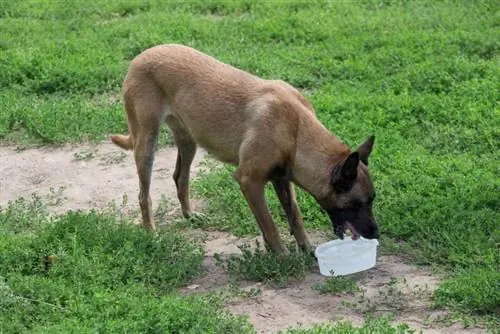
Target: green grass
<point x="421" y="75"/>
<point x="380" y="325"/>
<point x="104" y="275"/>
<point x="337" y="285"/>
<point x="110" y="276"/>
<point x="260" y="265"/>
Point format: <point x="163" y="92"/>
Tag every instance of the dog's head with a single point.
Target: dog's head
<point x="349" y="201"/>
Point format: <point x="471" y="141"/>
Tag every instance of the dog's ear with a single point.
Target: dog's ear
<point x="344" y="175"/>
<point x="365" y="149"/>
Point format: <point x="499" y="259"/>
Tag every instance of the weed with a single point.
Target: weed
<point x="260" y="265"/>
<point x="395" y="297"/>
<point x="121" y="211"/>
<point x="336" y="285"/>
<point x="86" y="154"/>
<point x="114" y="158"/>
<point x="55" y="196"/>
<point x="163" y="208"/>
<point x="23" y="215"/>
<point x="236" y="291"/>
<point x="381" y="325"/>
<point x="79" y="270"/>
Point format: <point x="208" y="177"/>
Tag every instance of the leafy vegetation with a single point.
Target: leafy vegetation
<point x="337" y="284"/>
<point x="86" y="272"/>
<point x="260" y="265"/>
<point x="381" y="325"/>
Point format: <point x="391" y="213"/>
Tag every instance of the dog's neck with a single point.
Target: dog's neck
<point x="318" y="152"/>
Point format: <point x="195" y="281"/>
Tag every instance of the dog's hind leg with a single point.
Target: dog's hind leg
<point x="144" y="158"/>
<point x="186" y="150"/>
<point x="286" y="194"/>
<point x="144" y="127"/>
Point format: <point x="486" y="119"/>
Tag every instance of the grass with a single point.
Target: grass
<point x="336" y="285"/>
<point x="421" y="75"/>
<point x="381" y="325"/>
<point x="87" y="272"/>
<point x="260" y="265"/>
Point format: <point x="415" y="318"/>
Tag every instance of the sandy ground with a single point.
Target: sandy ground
<point x="392" y="287"/>
<point x="84" y="177"/>
<point x="91" y="177"/>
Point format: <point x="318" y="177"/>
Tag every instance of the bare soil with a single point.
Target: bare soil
<point x="93" y="176"/>
<point x="393" y="287"/>
<point x="83" y="177"/>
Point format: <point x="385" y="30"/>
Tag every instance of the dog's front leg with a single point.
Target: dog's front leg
<point x="253" y="190"/>
<point x="286" y="194"/>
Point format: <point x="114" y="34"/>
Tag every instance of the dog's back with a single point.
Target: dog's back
<point x="177" y="67"/>
<point x="200" y="94"/>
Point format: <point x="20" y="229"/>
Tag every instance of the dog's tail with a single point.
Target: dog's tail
<point x="122" y="141"/>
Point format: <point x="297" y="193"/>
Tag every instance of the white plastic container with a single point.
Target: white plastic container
<point x="347" y="256"/>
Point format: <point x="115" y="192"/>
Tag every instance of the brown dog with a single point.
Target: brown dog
<point x="264" y="127"/>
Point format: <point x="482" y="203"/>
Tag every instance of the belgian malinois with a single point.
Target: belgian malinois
<point x="265" y="128"/>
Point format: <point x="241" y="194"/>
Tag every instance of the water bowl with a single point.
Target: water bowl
<point x="343" y="257"/>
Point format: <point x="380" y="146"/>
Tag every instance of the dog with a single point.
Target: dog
<point x="265" y="128"/>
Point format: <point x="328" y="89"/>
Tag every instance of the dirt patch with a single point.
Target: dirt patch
<point x="84" y="177"/>
<point x="92" y="176"/>
<point x="393" y="287"/>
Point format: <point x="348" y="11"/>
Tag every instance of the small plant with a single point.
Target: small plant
<point x="123" y="212"/>
<point x="245" y="293"/>
<point x="381" y="325"/>
<point x="163" y="208"/>
<point x="265" y="266"/>
<point x="23" y="216"/>
<point x="86" y="154"/>
<point x="394" y="297"/>
<point x="114" y="158"/>
<point x="336" y="284"/>
<point x="55" y="196"/>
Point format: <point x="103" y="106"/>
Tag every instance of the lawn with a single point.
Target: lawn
<point x="423" y="76"/>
